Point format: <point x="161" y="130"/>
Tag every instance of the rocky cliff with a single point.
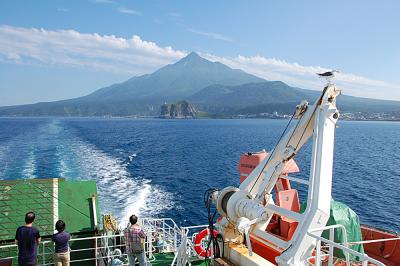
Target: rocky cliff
<point x="181" y="109"/>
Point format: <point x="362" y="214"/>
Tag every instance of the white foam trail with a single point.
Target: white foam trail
<point x="132" y="156"/>
<point x="30" y="165"/>
<point x="119" y="192"/>
<point x="4" y="149"/>
<point x="64" y="159"/>
<point x="16" y="159"/>
<point x="135" y="205"/>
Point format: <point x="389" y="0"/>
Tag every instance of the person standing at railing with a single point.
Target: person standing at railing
<point x="134" y="238"/>
<point x="27" y="238"/>
<point x="61" y="238"/>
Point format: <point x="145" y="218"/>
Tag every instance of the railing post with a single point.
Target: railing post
<point x="150" y="244"/>
<point x="44" y="254"/>
<point x="175" y="241"/>
<point x="331" y="238"/>
<point x="95" y="250"/>
<point x="344" y="232"/>
<point x="318" y="253"/>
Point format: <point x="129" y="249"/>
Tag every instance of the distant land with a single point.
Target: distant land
<point x="181" y="109"/>
<point x="211" y="88"/>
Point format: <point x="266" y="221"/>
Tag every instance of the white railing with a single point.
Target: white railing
<point x="96" y="248"/>
<point x="162" y="235"/>
<point x="331" y="245"/>
<point x="191" y="233"/>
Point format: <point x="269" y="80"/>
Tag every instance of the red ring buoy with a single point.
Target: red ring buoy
<point x="200" y="250"/>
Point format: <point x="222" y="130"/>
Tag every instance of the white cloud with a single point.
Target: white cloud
<point x="211" y="35"/>
<point x="69" y="47"/>
<point x="128" y="11"/>
<point x="305" y="76"/>
<point x="135" y="56"/>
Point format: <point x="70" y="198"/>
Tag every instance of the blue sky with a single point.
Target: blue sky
<point x="51" y="50"/>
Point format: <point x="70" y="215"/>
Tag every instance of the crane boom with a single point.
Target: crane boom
<point x="250" y="207"/>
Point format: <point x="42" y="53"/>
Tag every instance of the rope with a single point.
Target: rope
<point x="213" y="239"/>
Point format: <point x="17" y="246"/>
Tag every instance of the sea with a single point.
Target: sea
<point x="161" y="168"/>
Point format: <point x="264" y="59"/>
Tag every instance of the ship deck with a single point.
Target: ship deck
<point x="163" y="259"/>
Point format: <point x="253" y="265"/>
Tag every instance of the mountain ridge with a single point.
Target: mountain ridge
<point x="212" y="87"/>
<point x="276" y="96"/>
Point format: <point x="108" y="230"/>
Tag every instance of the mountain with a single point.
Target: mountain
<point x="143" y="95"/>
<point x="276" y="96"/>
<point x="213" y="88"/>
<point x="229" y="100"/>
<point x="176" y="81"/>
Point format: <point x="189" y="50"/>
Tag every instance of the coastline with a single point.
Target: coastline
<point x="192" y="118"/>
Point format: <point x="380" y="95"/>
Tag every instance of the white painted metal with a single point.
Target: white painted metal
<point x="365" y="259"/>
<point x="94" y="209"/>
<point x="55" y="201"/>
<point x="319" y="193"/>
<point x="295" y="179"/>
<point x="253" y="198"/>
<point x="236" y="254"/>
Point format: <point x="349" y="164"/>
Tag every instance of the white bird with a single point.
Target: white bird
<point x="328" y="75"/>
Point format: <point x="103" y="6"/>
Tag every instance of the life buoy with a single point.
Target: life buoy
<point x="198" y="247"/>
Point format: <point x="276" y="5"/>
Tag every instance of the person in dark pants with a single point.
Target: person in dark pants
<point x="27" y="238"/>
<point x="62" y="256"/>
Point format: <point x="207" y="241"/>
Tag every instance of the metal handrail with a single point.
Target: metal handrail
<point x="166" y="228"/>
<point x="342" y="246"/>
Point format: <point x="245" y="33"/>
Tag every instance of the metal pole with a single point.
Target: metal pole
<point x="94" y="210"/>
<point x="331" y="238"/>
<point x="43" y="258"/>
<point x="318" y="253"/>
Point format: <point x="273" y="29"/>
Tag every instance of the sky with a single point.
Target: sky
<point x="53" y="50"/>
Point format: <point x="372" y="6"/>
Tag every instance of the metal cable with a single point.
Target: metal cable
<point x="270" y="156"/>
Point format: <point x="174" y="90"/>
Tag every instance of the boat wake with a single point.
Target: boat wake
<point x="17" y="158"/>
<point x="120" y="193"/>
<point x="55" y="150"/>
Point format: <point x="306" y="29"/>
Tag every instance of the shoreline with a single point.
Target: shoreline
<point x="195" y="118"/>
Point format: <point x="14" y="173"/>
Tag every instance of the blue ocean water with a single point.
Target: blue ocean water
<point x="162" y="167"/>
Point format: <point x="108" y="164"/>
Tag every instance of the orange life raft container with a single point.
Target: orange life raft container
<point x="280" y="226"/>
<point x="249" y="161"/>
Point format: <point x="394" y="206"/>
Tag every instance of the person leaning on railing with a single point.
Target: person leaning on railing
<point x="134" y="238"/>
<point x="27" y="238"/>
<point x="61" y="238"/>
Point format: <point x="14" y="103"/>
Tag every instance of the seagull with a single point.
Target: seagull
<point x="328" y="75"/>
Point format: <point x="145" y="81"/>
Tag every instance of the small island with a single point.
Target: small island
<point x="179" y="110"/>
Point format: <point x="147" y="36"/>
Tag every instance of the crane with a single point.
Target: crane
<point x="246" y="210"/>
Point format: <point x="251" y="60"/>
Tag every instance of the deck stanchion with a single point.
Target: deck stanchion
<point x="331" y="238"/>
<point x="318" y="254"/>
<point x="44" y="254"/>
